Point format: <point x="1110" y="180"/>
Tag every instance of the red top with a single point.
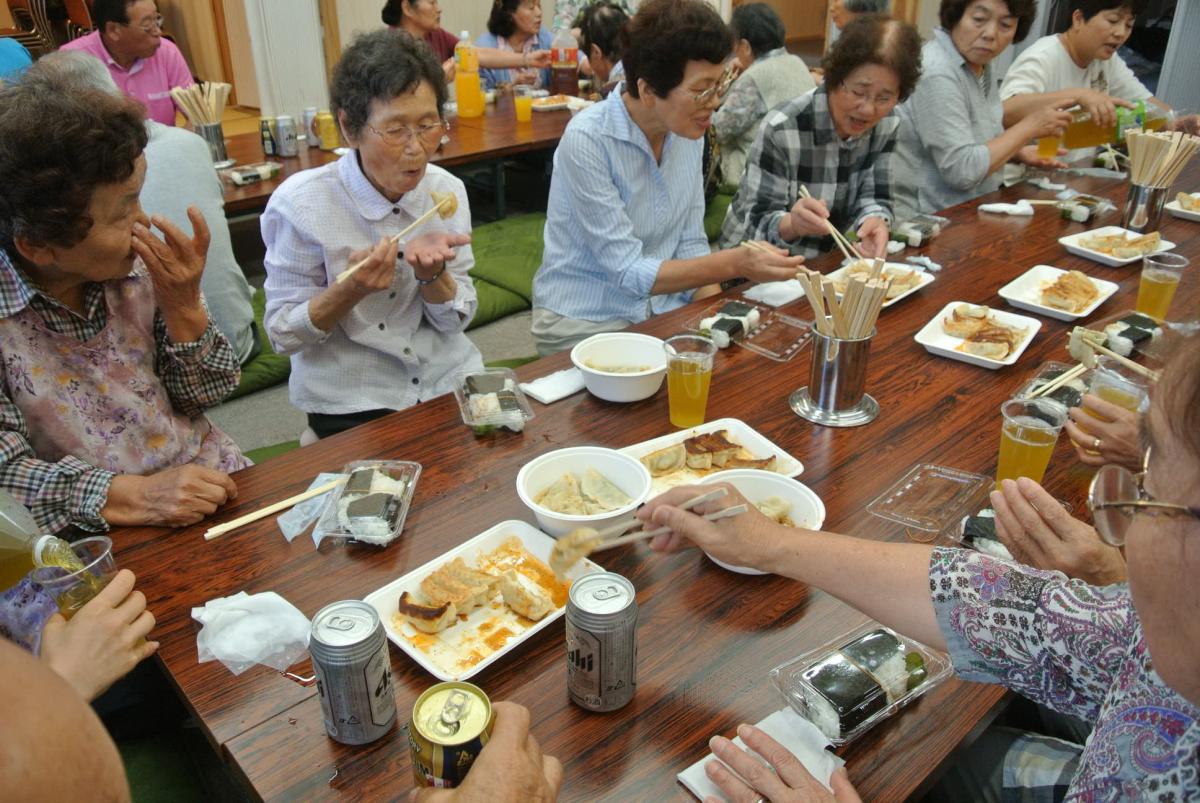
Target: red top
<point x="442" y="42"/>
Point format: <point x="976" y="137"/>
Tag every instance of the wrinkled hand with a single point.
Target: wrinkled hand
<point x="1039" y="532"/>
<point x="1102" y="107"/>
<point x="789" y="783"/>
<point x="509" y="769"/>
<point x="539" y="59"/>
<point x="741" y="540"/>
<point x="428" y="252"/>
<point x="1047" y="122"/>
<point x="176" y="265"/>
<point x="102" y="642"/>
<point x="1119" y="435"/>
<point x="174" y="497"/>
<point x="380" y="270"/>
<point x="771" y="264"/>
<point x="807" y="217"/>
<point x="873" y="238"/>
<point x="1029" y="155"/>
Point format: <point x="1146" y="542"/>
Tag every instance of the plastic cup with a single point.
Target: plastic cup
<point x="73" y="590"/>
<point x="1160" y="279"/>
<point x="1027" y="437"/>
<point x="523" y="102"/>
<point x="689" y="374"/>
<point x="1047" y="147"/>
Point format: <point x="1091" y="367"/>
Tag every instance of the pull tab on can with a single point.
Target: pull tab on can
<point x="454" y="711"/>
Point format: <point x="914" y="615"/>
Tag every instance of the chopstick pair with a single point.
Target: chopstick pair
<point x="220" y="529"/>
<point x="844" y="244"/>
<point x="604" y="539"/>
<point x="438" y="209"/>
<point x="1060" y="380"/>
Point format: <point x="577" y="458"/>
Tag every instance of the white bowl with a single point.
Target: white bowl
<point x="626" y="472"/>
<point x="621" y="348"/>
<point x="808" y="510"/>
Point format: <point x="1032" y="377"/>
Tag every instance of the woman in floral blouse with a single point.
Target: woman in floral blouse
<point x="1125" y="658"/>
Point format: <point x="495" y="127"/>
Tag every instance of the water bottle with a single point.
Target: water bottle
<point x="564" y="64"/>
<point x="466" y="78"/>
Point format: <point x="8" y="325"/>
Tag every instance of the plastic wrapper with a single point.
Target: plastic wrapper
<point x="918" y="230"/>
<point x="930" y="501"/>
<point x="1082" y="208"/>
<point x="492" y="399"/>
<point x="252" y="173"/>
<point x="300" y="517"/>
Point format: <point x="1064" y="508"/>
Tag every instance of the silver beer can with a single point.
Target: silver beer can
<point x="285" y="136"/>
<point x="601" y="641"/>
<point x="354" y="675"/>
<point x="311" y="136"/>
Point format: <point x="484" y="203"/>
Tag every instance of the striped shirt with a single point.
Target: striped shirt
<point x="798" y="145"/>
<point x="615" y="214"/>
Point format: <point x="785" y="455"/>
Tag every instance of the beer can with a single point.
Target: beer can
<point x="327" y="130"/>
<point x="266" y="129"/>
<point x="601" y="641"/>
<point x="354" y="676"/>
<point x="286" y="143"/>
<point x="311" y="135"/>
<point x="451" y="723"/>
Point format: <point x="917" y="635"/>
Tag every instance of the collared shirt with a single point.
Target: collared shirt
<point x="942" y="157"/>
<point x="1080" y="650"/>
<point x="393" y="349"/>
<point x="615" y="214"/>
<point x="798" y="145"/>
<point x="150" y="81"/>
<point x="70" y="491"/>
<point x="491" y="77"/>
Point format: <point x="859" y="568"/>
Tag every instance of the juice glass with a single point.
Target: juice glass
<point x="1160" y="279"/>
<point x="1117" y="384"/>
<point x="523" y="102"/>
<point x="1047" y="147"/>
<point x="689" y="373"/>
<point x="73" y="590"/>
<point x="1027" y="437"/>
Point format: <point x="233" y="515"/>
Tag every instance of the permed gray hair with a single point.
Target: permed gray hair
<point x="76" y="70"/>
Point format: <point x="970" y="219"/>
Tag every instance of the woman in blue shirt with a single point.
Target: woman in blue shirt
<point x="516" y="26"/>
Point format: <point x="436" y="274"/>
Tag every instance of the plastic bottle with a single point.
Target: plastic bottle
<point x="466" y="78"/>
<point x="564" y="64"/>
<point x="23" y="547"/>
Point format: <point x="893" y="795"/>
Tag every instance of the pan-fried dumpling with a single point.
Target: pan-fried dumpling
<point x="664" y="461"/>
<point x="524" y="597"/>
<point x="775" y="508"/>
<point x="563" y="496"/>
<point x="427" y="618"/>
<point x="600" y="493"/>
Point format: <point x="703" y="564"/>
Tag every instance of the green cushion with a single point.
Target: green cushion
<point x="265" y="453"/>
<point x="508" y="252"/>
<point x="513" y="362"/>
<point x="268" y="368"/>
<point x="495" y="303"/>
<point x="714" y="215"/>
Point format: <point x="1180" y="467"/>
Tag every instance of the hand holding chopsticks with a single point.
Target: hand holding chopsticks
<point x="444" y="206"/>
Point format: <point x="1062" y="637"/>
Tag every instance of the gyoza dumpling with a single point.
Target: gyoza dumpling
<point x="601" y="495"/>
<point x="524" y="597"/>
<point x="427" y="618"/>
<point x="563" y="496"/>
<point x="664" y="461"/>
<point x="775" y="508"/>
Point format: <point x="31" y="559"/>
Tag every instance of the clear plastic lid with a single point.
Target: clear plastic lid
<point x="492" y="399"/>
<point x="373" y="503"/>
<point x="764" y="330"/>
<point x="931" y="500"/>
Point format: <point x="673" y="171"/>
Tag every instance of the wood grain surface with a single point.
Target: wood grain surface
<point x="707" y="638"/>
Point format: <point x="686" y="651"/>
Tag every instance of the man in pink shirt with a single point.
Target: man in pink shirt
<point x="128" y="40"/>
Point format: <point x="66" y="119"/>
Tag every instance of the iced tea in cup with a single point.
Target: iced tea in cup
<point x="73" y="590"/>
<point x="1027" y="437"/>
<point x="1160" y="279"/>
<point x="689" y="373"/>
<point x="1115" y="382"/>
<point x="1047" y="147"/>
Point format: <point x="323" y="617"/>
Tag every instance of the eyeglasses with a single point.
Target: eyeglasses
<point x="1116" y="495"/>
<point x="717" y="90"/>
<point x="887" y="100"/>
<point x="429" y="135"/>
<point x="151" y="25"/>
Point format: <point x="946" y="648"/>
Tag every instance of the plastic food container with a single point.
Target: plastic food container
<point x="492" y="399"/>
<point x="1069" y="394"/>
<point x="851" y="684"/>
<point x="627" y="473"/>
<point x="373" y="503"/>
<point x="621" y="366"/>
<point x="931" y="500"/>
<point x="755" y="327"/>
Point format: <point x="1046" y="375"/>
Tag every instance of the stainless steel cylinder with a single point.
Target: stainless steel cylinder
<point x="215" y="138"/>
<point x="1143" y="208"/>
<point x="837" y="377"/>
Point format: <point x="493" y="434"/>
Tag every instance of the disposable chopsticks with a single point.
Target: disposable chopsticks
<point x="1060" y="380"/>
<point x="736" y="510"/>
<point x="436" y="210"/>
<point x="202" y="105"/>
<point x="221" y="529"/>
<point x="845" y="245"/>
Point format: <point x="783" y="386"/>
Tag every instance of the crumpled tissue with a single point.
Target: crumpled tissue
<point x="1041" y="182"/>
<point x="1020" y="208"/>
<point x="247" y="629"/>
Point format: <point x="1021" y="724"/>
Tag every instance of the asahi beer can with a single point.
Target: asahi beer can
<point x="327" y="130"/>
<point x="311" y="136"/>
<point x="354" y="676"/>
<point x="451" y="723"/>
<point x="286" y="142"/>
<point x="601" y="641"/>
<point x="266" y="130"/>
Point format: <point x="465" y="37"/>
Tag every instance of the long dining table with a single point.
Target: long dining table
<point x="707" y="638"/>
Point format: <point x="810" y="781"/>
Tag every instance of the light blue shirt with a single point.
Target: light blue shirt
<point x="496" y="76"/>
<point x="615" y="215"/>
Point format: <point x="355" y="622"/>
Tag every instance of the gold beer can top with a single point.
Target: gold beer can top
<point x="452" y="713"/>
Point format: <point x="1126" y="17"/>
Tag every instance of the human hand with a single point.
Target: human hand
<point x="176" y="265"/>
<point x="1102" y="107"/>
<point x="807" y="217"/>
<point x="174" y="497"/>
<point x="428" y="252"/>
<point x="743" y="540"/>
<point x="873" y="238"/>
<point x="1029" y="155"/>
<point x="1111" y="438"/>
<point x="539" y="59"/>
<point x="766" y="263"/>
<point x="789" y="783"/>
<point x="1039" y="532"/>
<point x="509" y="769"/>
<point x="1046" y="122"/>
<point x="379" y="271"/>
<point x="449" y="69"/>
<point x="103" y="641"/>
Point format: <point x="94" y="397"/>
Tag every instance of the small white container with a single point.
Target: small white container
<point x="807" y="511"/>
<point x="626" y="472"/>
<point x="621" y="349"/>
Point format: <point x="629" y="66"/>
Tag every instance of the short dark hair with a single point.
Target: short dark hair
<point x="1091" y="8"/>
<point x="393" y="12"/>
<point x="664" y="35"/>
<point x="57" y="146"/>
<point x="600" y="24"/>
<point x="500" y="20"/>
<point x="951" y="12"/>
<point x="875" y="39"/>
<point x="106" y="11"/>
<point x="759" y="25"/>
<point x="867" y="6"/>
<point x="382" y="65"/>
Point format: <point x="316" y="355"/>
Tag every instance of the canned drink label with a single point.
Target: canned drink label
<point x="378" y="677"/>
<point x="583" y="665"/>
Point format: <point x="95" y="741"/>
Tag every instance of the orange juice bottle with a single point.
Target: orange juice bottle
<point x="467" y="88"/>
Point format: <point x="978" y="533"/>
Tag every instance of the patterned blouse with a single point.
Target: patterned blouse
<point x="1080" y="650"/>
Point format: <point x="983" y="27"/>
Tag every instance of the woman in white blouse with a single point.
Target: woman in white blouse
<point x="390" y="335"/>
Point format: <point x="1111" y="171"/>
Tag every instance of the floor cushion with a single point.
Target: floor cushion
<point x="267" y="369"/>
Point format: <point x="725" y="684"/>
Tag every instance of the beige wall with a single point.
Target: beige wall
<point x="6" y="19"/>
<point x="191" y="23"/>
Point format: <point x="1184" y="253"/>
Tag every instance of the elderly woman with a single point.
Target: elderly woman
<point x="515" y="27"/>
<point x="953" y="144"/>
<point x="837" y="141"/>
<point x="625" y="227"/>
<point x="770" y="76"/>
<point x="107" y="351"/>
<point x="1124" y="657"/>
<point x="390" y="334"/>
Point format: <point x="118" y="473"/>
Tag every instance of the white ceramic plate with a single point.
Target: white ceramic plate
<point x="739" y="432"/>
<point x="925" y="278"/>
<point x="938" y="342"/>
<point x="1178" y="211"/>
<point x="448" y="655"/>
<point x="1072" y="244"/>
<point x="1025" y="292"/>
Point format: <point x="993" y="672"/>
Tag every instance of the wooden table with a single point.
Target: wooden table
<point x="707" y="638"/>
<point x="489" y="138"/>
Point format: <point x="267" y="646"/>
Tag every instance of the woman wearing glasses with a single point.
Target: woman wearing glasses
<point x="837" y="141"/>
<point x="1125" y="658"/>
<point x="390" y="335"/>
<point x="625" y="219"/>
